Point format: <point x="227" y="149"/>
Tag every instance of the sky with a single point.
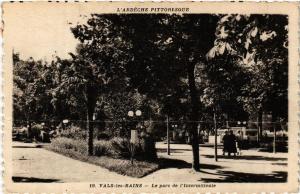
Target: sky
<point x="41" y="32"/>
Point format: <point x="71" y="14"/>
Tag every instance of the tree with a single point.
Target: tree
<point x="258" y="44"/>
<point x="222" y="82"/>
<point x="96" y="67"/>
<point x="176" y="45"/>
<point x="117" y="105"/>
<point x="157" y="52"/>
<point x="31" y="91"/>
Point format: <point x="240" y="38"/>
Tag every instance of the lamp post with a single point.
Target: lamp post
<point x="174" y="126"/>
<point x="274" y="138"/>
<point x="168" y="136"/>
<point x="242" y="122"/>
<point x="216" y="137"/>
<point x="133" y="133"/>
<point x="65" y="121"/>
<point x="168" y="98"/>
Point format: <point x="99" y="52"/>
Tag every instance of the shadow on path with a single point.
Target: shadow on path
<point x="29" y="146"/>
<point x="282" y="149"/>
<point x="280" y="164"/>
<point x="164" y="150"/>
<point x="175" y="163"/>
<point x="231" y="176"/>
<point x="248" y="158"/>
<point x="32" y="179"/>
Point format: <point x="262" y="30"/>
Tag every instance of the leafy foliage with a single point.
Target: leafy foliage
<point x="257" y="46"/>
<point x="180" y="66"/>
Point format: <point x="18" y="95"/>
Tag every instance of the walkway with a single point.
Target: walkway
<point x="33" y="164"/>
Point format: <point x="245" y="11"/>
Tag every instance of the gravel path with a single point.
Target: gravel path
<point x="38" y="164"/>
<point x="33" y="164"/>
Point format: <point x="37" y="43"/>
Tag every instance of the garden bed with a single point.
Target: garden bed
<point x="76" y="149"/>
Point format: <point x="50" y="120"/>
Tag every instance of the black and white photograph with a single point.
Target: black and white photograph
<point x="150" y="97"/>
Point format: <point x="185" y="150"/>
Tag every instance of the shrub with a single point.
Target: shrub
<point x="102" y="136"/>
<point x="37" y="127"/>
<point x="63" y="143"/>
<point x="148" y="147"/>
<point x="122" y="148"/>
<point x="73" y="132"/>
<point x="116" y="147"/>
<point x="36" y="131"/>
<point x="103" y="148"/>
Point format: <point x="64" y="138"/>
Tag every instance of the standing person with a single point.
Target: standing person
<point x="239" y="139"/>
<point x="231" y="143"/>
<point x="225" y="143"/>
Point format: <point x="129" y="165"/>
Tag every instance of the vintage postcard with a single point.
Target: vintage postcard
<point x="118" y="97"/>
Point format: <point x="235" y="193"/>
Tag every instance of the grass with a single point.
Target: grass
<point x="119" y="165"/>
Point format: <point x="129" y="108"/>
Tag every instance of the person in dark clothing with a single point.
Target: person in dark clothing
<point x="231" y="143"/>
<point x="225" y="142"/>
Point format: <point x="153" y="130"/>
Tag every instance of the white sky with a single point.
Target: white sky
<point x="40" y="31"/>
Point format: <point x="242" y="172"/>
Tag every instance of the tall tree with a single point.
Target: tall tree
<point x="165" y="50"/>
<point x="31" y="91"/>
<point x="158" y="53"/>
<point x="96" y="67"/>
<point x="258" y="43"/>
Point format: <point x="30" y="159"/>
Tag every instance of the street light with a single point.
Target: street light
<point x="65" y="121"/>
<point x="133" y="135"/>
<point x="130" y="113"/>
<point x="174" y="126"/>
<point x="216" y="136"/>
<point x="138" y="113"/>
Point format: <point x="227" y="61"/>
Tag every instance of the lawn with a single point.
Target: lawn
<point x="119" y="165"/>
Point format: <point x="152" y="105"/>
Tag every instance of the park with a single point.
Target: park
<point x="146" y="96"/>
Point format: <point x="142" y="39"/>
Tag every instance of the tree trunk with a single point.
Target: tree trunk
<point x="29" y="131"/>
<point x="216" y="136"/>
<point x="91" y="103"/>
<point x="194" y="117"/>
<point x="260" y="126"/>
<point x="168" y="136"/>
<point x="28" y="116"/>
<point x="274" y="126"/>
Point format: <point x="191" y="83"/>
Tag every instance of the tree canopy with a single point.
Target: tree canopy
<point x="181" y="66"/>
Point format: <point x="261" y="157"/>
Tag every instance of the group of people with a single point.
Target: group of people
<point x="232" y="143"/>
